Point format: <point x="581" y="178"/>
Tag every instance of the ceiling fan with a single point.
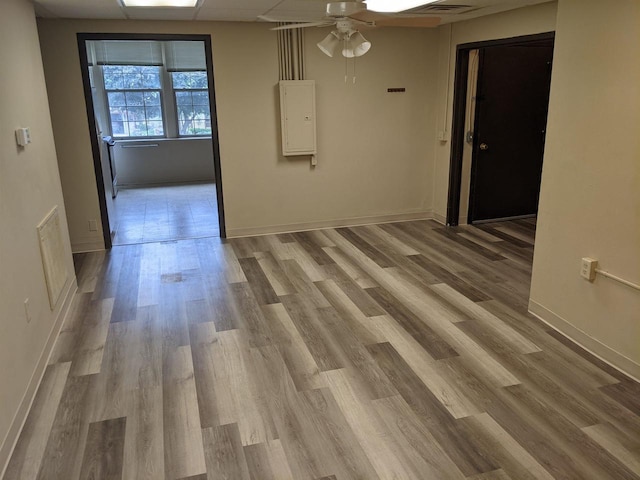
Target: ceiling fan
<point x="348" y="17"/>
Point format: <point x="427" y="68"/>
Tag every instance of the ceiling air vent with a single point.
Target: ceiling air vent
<point x="442" y="9"/>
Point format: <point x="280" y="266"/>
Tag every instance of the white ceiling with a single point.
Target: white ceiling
<point x="242" y="10"/>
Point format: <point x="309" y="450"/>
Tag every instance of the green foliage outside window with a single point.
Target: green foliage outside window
<point x="192" y="103"/>
<point x="135" y="103"/>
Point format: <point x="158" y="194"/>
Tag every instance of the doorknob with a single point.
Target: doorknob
<point x="484" y="146"/>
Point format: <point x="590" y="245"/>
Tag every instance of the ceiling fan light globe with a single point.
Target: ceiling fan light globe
<point x="329" y="44"/>
<point x="356" y="46"/>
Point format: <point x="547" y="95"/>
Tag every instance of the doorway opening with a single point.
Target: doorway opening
<point x="150" y="103"/>
<point x="501" y="98"/>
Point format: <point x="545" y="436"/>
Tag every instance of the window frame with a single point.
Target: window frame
<point x="161" y="105"/>
<point x="175" y="102"/>
<point x="177" y="113"/>
<point x="168" y="98"/>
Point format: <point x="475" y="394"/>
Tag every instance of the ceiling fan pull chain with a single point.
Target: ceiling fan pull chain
<point x="346" y="62"/>
<point x="354" y="70"/>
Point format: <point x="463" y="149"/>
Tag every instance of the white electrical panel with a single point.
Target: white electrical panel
<point x="298" y="117"/>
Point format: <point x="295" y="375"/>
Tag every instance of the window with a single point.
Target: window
<point x="134" y="100"/>
<point x="151" y="89"/>
<point x="192" y="103"/>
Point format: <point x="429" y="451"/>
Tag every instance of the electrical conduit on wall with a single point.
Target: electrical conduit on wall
<point x="291" y="54"/>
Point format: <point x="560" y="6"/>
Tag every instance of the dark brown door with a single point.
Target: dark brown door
<point x="510" y="123"/>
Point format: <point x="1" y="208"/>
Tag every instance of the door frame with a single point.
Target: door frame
<point x="459" y="112"/>
<point x="82" y="38"/>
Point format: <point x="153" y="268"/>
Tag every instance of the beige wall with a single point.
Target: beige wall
<point x="590" y="197"/>
<point x="29" y="189"/>
<point x="168" y="161"/>
<point x="523" y="21"/>
<point x="375" y="149"/>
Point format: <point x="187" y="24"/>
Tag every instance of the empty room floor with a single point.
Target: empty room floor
<point x="385" y="351"/>
<point x="157" y="214"/>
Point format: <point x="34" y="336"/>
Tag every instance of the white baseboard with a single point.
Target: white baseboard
<point x="592" y="345"/>
<point x="133" y="186"/>
<point x="440" y="218"/>
<point x="345" y="222"/>
<point x="11" y="438"/>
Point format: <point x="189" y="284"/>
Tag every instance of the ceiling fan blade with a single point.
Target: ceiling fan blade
<point x="390" y="20"/>
<point x="270" y="19"/>
<point x="368" y="16"/>
<point x="304" y="25"/>
<point x="408" y="22"/>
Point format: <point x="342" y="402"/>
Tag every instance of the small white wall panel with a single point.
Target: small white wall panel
<point x="52" y="249"/>
<point x="298" y="117"/>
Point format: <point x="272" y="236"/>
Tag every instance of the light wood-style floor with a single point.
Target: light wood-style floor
<point x="162" y="213"/>
<point x="395" y="351"/>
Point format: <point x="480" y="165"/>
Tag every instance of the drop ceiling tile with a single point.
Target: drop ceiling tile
<point x="228" y="14"/>
<point x="80" y="11"/>
<point x="80" y="8"/>
<point x="247" y="4"/>
<point x="241" y="10"/>
<point x="298" y="11"/>
<point x="237" y="5"/>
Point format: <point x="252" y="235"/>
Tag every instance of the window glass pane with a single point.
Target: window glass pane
<point x="135" y="114"/>
<point x="183" y="98"/>
<point x="131" y="77"/>
<point x="112" y="69"/>
<point x="184" y="111"/>
<point x="112" y="77"/>
<point x="152" y="98"/>
<point x="136" y="111"/>
<point x="130" y="69"/>
<point x="133" y="81"/>
<point x="112" y="81"/>
<point x="154" y="113"/>
<point x="138" y="129"/>
<point x="180" y="79"/>
<point x="135" y="98"/>
<point x="192" y="102"/>
<point x="205" y="115"/>
<point x="116" y="98"/>
<point x="185" y="120"/>
<point x="189" y="80"/>
<point x="193" y="120"/>
<point x="199" y="80"/>
<point x="151" y="80"/>
<point x="200" y="98"/>
<point x="155" y="128"/>
<point x="118" y="114"/>
<point x="118" y="129"/>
